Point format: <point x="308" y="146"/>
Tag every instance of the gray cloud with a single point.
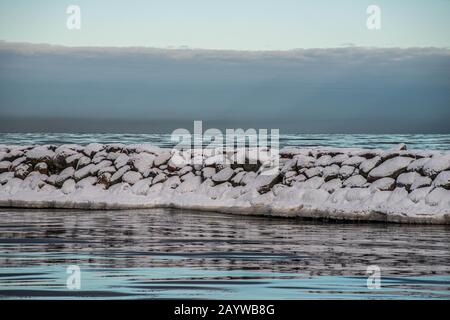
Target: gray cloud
<point x="348" y="89"/>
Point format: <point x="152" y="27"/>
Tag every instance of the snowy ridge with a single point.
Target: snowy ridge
<point x="396" y="185"/>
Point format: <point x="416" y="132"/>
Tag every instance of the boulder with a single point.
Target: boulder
<point x="332" y="185"/>
<point x="223" y="175"/>
<point x="391" y="168"/>
<point x="22" y="171"/>
<point x="355" y="181"/>
<point x="92" y="148"/>
<point x="83" y="172"/>
<point x="64" y="175"/>
<point x="442" y="180"/>
<point x="383" y="184"/>
<point x="4" y="166"/>
<point x="131" y="177"/>
<point x="367" y="165"/>
<point x="162" y="159"/>
<point x="68" y="186"/>
<point x="354" y="161"/>
<point x="436" y="164"/>
<point x="117" y="176"/>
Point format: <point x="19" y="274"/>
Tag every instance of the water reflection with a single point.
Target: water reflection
<point x="178" y="253"/>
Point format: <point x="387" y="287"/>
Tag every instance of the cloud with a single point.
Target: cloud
<point x="346" y="89"/>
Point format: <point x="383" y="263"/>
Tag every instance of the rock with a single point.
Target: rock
<point x="86" y="182"/>
<point x="442" y="180"/>
<point x="417" y="165"/>
<point x="437" y="197"/>
<point x="330" y="172"/>
<point x="436" y="164"/>
<point x="5" y="177"/>
<point x="4" y="166"/>
<point x="131" y="177"/>
<point x="97" y="167"/>
<point x="83" y="162"/>
<point x="17" y="161"/>
<point x="73" y="159"/>
<point x="64" y="175"/>
<point x="420" y="182"/>
<point x="41" y="153"/>
<point x="390" y="168"/>
<point x="161" y="177"/>
<point x="177" y="161"/>
<point x="312" y="172"/>
<point x="223" y="175"/>
<point x="162" y="159"/>
<point x="119" y="173"/>
<point x="264" y="182"/>
<point x="142" y="187"/>
<point x="419" y="194"/>
<point x="339" y="159"/>
<point x="354" y="161"/>
<point x="248" y="178"/>
<point x="51" y="180"/>
<point x="305" y="162"/>
<point x="172" y="182"/>
<point x="208" y="172"/>
<point x="407" y="179"/>
<point x="68" y="186"/>
<point x="92" y="148"/>
<point x="383" y="184"/>
<point x="104" y="179"/>
<point x="346" y="171"/>
<point x="368" y="165"/>
<point x="110" y="169"/>
<point x="324" y="161"/>
<point x="312" y="183"/>
<point x="289" y="165"/>
<point x="22" y="171"/>
<point x="41" y="167"/>
<point x="190" y="184"/>
<point x="143" y="162"/>
<point x="83" y="172"/>
<point x="185" y="170"/>
<point x="289" y="152"/>
<point x="355" y="181"/>
<point x="237" y="179"/>
<point x="332" y="185"/>
<point x="121" y="161"/>
<point x="186" y="176"/>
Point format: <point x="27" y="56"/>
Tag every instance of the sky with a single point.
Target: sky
<point x="154" y="66"/>
<point x="231" y="24"/>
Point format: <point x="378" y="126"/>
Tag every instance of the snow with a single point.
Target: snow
<point x="383" y="184"/>
<point x="223" y="175"/>
<point x="355" y="181"/>
<point x="39" y="153"/>
<point x="64" y="175"/>
<point x="396" y="190"/>
<point x="369" y="164"/>
<point x="131" y="177"/>
<point x="442" y="180"/>
<point x="162" y="158"/>
<point x="390" y="167"/>
<point x="436" y="165"/>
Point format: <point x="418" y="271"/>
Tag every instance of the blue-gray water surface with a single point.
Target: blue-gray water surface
<point x="163" y="253"/>
<point x="413" y="141"/>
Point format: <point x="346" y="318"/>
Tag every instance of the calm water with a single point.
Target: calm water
<point x="185" y="254"/>
<point x="414" y="141"/>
